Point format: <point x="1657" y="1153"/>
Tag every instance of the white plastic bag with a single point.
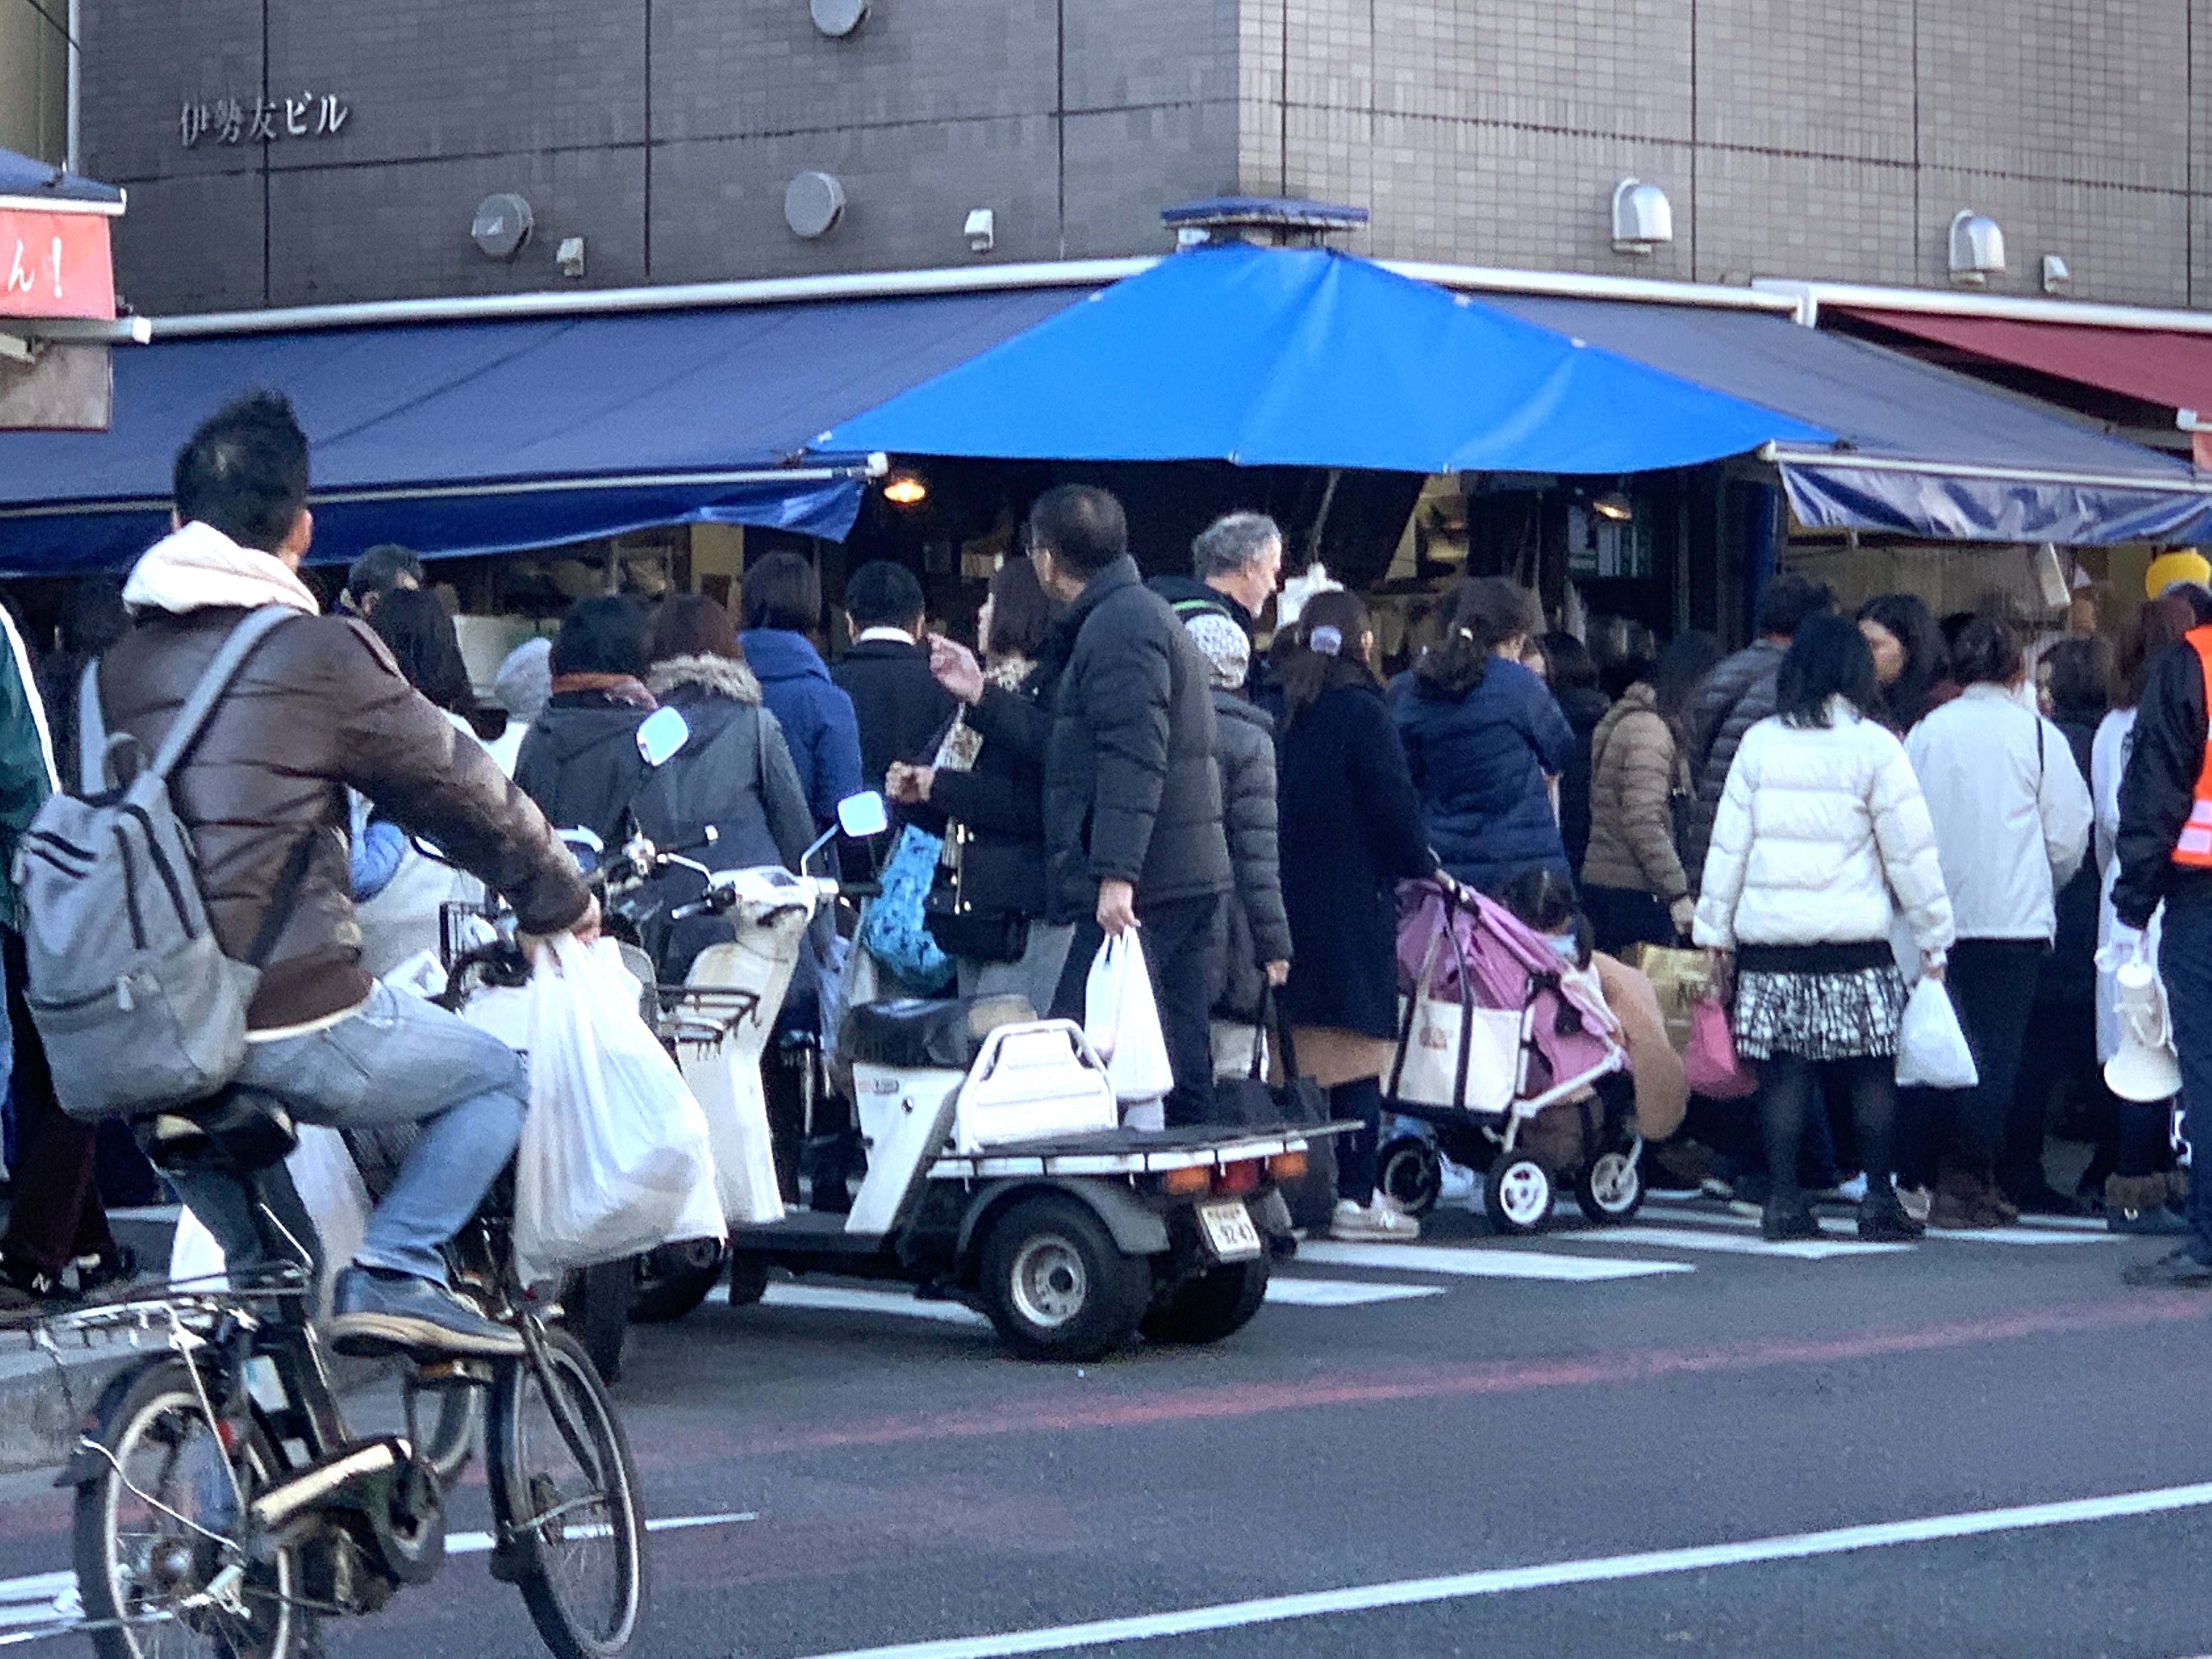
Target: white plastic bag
<point x="738" y="1133"/>
<point x="614" y="1157"/>
<point x="1931" y="1049"/>
<point x="1123" y="1022"/>
<point x="331" y="1187"/>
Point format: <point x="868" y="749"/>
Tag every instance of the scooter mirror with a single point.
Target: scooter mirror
<point x="661" y="734"/>
<point x="863" y="815"/>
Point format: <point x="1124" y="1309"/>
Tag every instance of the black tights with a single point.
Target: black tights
<point x="1356" y="1153"/>
<point x="1790" y="1087"/>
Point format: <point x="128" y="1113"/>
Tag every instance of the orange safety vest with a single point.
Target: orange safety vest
<point x="2193" y="850"/>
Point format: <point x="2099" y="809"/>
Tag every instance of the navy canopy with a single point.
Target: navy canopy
<point x="25" y="179"/>
<point x="1307" y="358"/>
<point x="1919" y="450"/>
<point x="483" y="437"/>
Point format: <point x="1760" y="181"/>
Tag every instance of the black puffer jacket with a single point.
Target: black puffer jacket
<point x="1255" y="931"/>
<point x="1585" y="708"/>
<point x="1734" y="697"/>
<point x="1130" y="789"/>
<point x="580" y="763"/>
<point x="1001" y="799"/>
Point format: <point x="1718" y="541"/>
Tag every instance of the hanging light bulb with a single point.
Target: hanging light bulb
<point x="1613" y="505"/>
<point x="905" y="490"/>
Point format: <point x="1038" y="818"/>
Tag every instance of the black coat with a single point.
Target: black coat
<point x="1728" y="703"/>
<point x="898" y="704"/>
<point x="2159" y="788"/>
<point x="2069" y="973"/>
<point x="1131" y="790"/>
<point x="580" y="763"/>
<point x="1253" y="929"/>
<point x="1585" y="706"/>
<point x="1002" y="801"/>
<point x="1351" y="832"/>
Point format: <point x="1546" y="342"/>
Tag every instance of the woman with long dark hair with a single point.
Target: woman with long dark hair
<point x="1911" y="662"/>
<point x="1484" y="740"/>
<point x="1634" y="887"/>
<point x="1351" y="831"/>
<point x="1822" y="822"/>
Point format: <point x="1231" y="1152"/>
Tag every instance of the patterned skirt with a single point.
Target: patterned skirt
<point x="1849" y="1015"/>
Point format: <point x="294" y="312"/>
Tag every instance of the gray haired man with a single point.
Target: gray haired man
<point x="1236" y="565"/>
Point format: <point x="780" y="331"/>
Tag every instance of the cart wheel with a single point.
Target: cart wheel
<point x="1516" y="1194"/>
<point x="1410" y="1171"/>
<point x="1056" y="1285"/>
<point x="1218" y="1302"/>
<point x="1610" y="1188"/>
<point x="674" y="1279"/>
<point x="748" y="1278"/>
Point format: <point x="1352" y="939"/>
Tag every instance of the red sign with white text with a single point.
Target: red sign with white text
<point x="55" y="265"/>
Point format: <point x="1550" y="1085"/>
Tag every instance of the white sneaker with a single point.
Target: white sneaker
<point x="1378" y="1222"/>
<point x="1853" y="1191"/>
<point x="1917" y="1201"/>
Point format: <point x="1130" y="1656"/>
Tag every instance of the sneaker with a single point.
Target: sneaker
<point x="2177" y="1270"/>
<point x="1784" y="1220"/>
<point x="116" y="1266"/>
<point x="1964" y="1203"/>
<point x="1853" y="1191"/>
<point x="2161" y="1222"/>
<point x="1376" y="1221"/>
<point x="1882" y="1219"/>
<point x="1916" y="1202"/>
<point x="376" y="1312"/>
<point x="29" y="1292"/>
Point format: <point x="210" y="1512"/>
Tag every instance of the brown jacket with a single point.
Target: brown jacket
<point x="319" y="707"/>
<point x="1635" y="764"/>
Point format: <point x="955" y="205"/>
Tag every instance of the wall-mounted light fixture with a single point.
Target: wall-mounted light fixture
<point x="1978" y="249"/>
<point x="837" y="18"/>
<point x="813" y="203"/>
<point x="1614" y="505"/>
<point x="905" y="490"/>
<point x="501" y="226"/>
<point x="2057" y="277"/>
<point x="570" y="256"/>
<point x="1643" y="217"/>
<point x="982" y="231"/>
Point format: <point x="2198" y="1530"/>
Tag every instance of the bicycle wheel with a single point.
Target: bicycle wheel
<point x="564" y="1492"/>
<point x="151" y="1523"/>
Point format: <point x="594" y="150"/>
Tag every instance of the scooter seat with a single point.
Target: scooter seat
<point x="946" y="1034"/>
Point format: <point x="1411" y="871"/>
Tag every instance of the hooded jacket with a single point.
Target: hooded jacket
<point x="580" y="763"/>
<point x="1734" y="697"/>
<point x="817" y="717"/>
<point x="1480" y="760"/>
<point x="1634" y="761"/>
<point x="1254" y="927"/>
<point x="319" y="707"/>
<point x="1130" y="789"/>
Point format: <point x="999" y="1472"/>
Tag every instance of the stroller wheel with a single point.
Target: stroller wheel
<point x="1409" y="1172"/>
<point x="1610" y="1188"/>
<point x="1517" y="1194"/>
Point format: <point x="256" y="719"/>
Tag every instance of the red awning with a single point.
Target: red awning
<point x="2158" y="366"/>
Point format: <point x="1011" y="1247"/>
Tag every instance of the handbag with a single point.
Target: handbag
<point x="1452" y="1052"/>
<point x="1680" y="978"/>
<point x="1252" y="1102"/>
<point x="893" y="933"/>
<point x="1710" y="1063"/>
<point x="959" y="928"/>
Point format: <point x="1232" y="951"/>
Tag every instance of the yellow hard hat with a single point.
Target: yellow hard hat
<point x="2186" y="566"/>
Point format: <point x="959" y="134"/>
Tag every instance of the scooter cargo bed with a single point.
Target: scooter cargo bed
<point x="1130" y="1151"/>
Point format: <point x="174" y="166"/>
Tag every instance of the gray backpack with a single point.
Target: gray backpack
<point x="137" y="1006"/>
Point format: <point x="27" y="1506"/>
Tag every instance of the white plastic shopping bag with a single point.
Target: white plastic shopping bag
<point x="1931" y="1049"/>
<point x="738" y="1133"/>
<point x="615" y="1157"/>
<point x="1123" y="1022"/>
<point x="329" y="1185"/>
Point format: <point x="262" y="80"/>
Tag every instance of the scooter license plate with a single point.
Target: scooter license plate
<point x="1230" y="1233"/>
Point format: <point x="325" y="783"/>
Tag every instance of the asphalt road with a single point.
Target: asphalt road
<point x="1711" y="1454"/>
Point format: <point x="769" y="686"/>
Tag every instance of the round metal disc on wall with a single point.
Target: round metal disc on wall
<point x="813" y="204"/>
<point x="502" y="225"/>
<point x="838" y="18"/>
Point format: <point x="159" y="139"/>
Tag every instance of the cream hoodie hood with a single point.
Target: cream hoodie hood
<point x="200" y="568"/>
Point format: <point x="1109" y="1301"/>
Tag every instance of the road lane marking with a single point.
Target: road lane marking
<point x="1473" y="1263"/>
<point x="1342" y="1293"/>
<point x="837" y="1299"/>
<point x="1551" y="1574"/>
<point x="1694" y="1238"/>
<point x="480" y="1543"/>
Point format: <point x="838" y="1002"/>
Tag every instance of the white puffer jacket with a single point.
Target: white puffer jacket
<point x="1818" y="828"/>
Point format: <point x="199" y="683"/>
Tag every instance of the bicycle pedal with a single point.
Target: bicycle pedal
<point x="454" y="1373"/>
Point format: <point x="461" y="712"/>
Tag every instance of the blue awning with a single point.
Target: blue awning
<point x="1918" y="450"/>
<point x="484" y="437"/>
<point x="25" y="179"/>
<point x="1306" y="357"/>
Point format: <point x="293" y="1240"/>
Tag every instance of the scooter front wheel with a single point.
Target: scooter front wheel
<point x="1055" y="1283"/>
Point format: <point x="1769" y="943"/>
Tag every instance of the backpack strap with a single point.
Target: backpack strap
<point x="91" y="733"/>
<point x="215" y="681"/>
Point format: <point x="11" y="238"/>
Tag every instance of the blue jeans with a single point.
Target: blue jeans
<point x="2184" y="959"/>
<point x="399" y="1060"/>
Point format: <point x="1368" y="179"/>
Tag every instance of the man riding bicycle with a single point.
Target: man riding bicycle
<point x="319" y="707"/>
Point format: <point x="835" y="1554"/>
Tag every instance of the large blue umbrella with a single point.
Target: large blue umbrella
<point x="1307" y="358"/>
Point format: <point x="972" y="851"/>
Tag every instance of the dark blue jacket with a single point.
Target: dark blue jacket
<point x="1479" y="761"/>
<point x="816" y="716"/>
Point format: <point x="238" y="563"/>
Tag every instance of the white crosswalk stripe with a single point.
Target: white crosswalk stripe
<point x="1301" y="1292"/>
<point x="1475" y="1262"/>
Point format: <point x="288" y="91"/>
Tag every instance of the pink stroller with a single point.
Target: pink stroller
<point x="1510" y="1059"/>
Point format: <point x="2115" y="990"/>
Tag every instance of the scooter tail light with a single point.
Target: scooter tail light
<point x="1287" y="1166"/>
<point x="1239" y="1178"/>
<point x="1181" y="1182"/>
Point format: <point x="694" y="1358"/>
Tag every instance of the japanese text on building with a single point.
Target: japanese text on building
<point x="262" y="120"/>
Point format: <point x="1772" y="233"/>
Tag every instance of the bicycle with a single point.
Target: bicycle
<point x="222" y="1504"/>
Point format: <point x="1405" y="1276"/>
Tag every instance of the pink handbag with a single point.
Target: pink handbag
<point x="1710" y="1061"/>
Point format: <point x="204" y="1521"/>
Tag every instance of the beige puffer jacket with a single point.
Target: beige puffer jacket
<point x="1635" y="760"/>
